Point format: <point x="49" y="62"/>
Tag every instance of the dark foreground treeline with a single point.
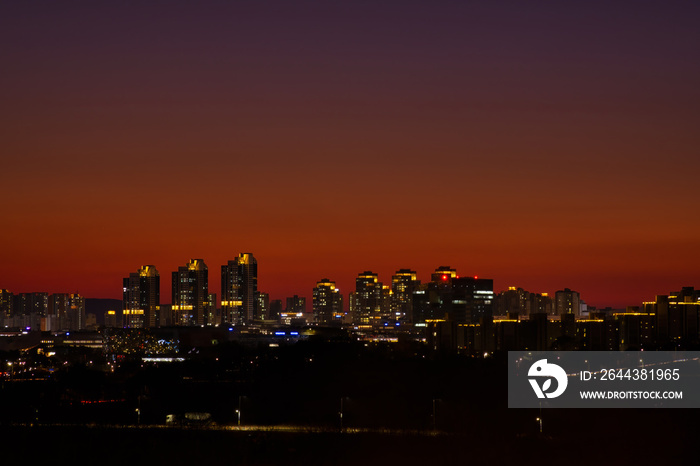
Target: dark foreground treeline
<point x="58" y="445"/>
<point x="379" y="386"/>
<point x="399" y="386"/>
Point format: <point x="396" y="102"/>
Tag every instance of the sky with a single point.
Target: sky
<point x="542" y="144"/>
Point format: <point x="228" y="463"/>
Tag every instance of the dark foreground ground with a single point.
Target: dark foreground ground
<point x="78" y="445"/>
<point x="392" y="399"/>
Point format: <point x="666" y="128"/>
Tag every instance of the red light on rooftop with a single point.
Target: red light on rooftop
<point x="444" y="278"/>
<point x="475" y="277"/>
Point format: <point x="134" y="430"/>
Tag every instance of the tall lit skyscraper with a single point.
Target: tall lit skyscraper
<point x="77" y="312"/>
<point x="327" y="302"/>
<point x="6" y="307"/>
<point x="57" y="317"/>
<point x="66" y="311"/>
<point x="518" y="301"/>
<point x="403" y="283"/>
<point x="541" y="303"/>
<point x="111" y="320"/>
<point x="239" y="286"/>
<point x="567" y="301"/>
<point x="677" y="316"/>
<point x="453" y="298"/>
<point x="141" y="301"/>
<point x="295" y="311"/>
<point x="515" y="300"/>
<point x="30" y="308"/>
<point x="296" y="305"/>
<point x="190" y="293"/>
<point x="213" y="316"/>
<point x="366" y="301"/>
<point x="263" y="305"/>
<point x="444" y="273"/>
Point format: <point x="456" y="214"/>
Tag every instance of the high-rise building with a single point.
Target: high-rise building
<point x="677" y="316"/>
<point x="296" y="305"/>
<point x="366" y="300"/>
<point x="523" y="303"/>
<point x="66" y="311"/>
<point x="141" y="298"/>
<point x="57" y="317"/>
<point x="327" y="302"/>
<point x="213" y="316"/>
<point x="541" y="303"/>
<point x="295" y="312"/>
<point x="567" y="301"/>
<point x="263" y="305"/>
<point x="77" y="312"/>
<point x="403" y="284"/>
<point x="439" y="293"/>
<point x="190" y="292"/>
<point x="276" y="309"/>
<point x="472" y="299"/>
<point x="453" y="298"/>
<point x="514" y="301"/>
<point x="444" y="273"/>
<point x="7" y="299"/>
<point x="30" y="308"/>
<point x="111" y="320"/>
<point x="239" y="285"/>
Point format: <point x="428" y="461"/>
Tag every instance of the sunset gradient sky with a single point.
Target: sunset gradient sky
<point x="541" y="144"/>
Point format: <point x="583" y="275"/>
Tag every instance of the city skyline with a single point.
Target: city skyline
<point x="303" y="232"/>
<point x="541" y="145"/>
<point x="235" y="313"/>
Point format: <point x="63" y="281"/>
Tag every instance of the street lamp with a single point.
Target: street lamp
<point x="435" y="400"/>
<point x="539" y="419"/>
<point x="341" y="413"/>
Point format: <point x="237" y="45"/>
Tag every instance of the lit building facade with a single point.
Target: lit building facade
<point x="239" y="287"/>
<point x="567" y="301"/>
<point x="7" y="299"/>
<point x="677" y="317"/>
<point x="403" y="283"/>
<point x="30" y="308"/>
<point x="190" y="293"/>
<point x="517" y="301"/>
<point x="295" y="311"/>
<point x="262" y="305"/>
<point x="111" y="319"/>
<point x="472" y="299"/>
<point x="327" y="302"/>
<point x="453" y="298"/>
<point x="366" y="300"/>
<point x="141" y="298"/>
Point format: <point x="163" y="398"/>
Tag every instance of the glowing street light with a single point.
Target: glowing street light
<point x="239" y="410"/>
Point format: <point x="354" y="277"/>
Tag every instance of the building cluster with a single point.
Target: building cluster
<point x="191" y="303"/>
<point x="669" y="322"/>
<point x="452" y="312"/>
<point x="408" y="301"/>
<point x="373" y="304"/>
<point x="405" y="301"/>
<point x="44" y="311"/>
